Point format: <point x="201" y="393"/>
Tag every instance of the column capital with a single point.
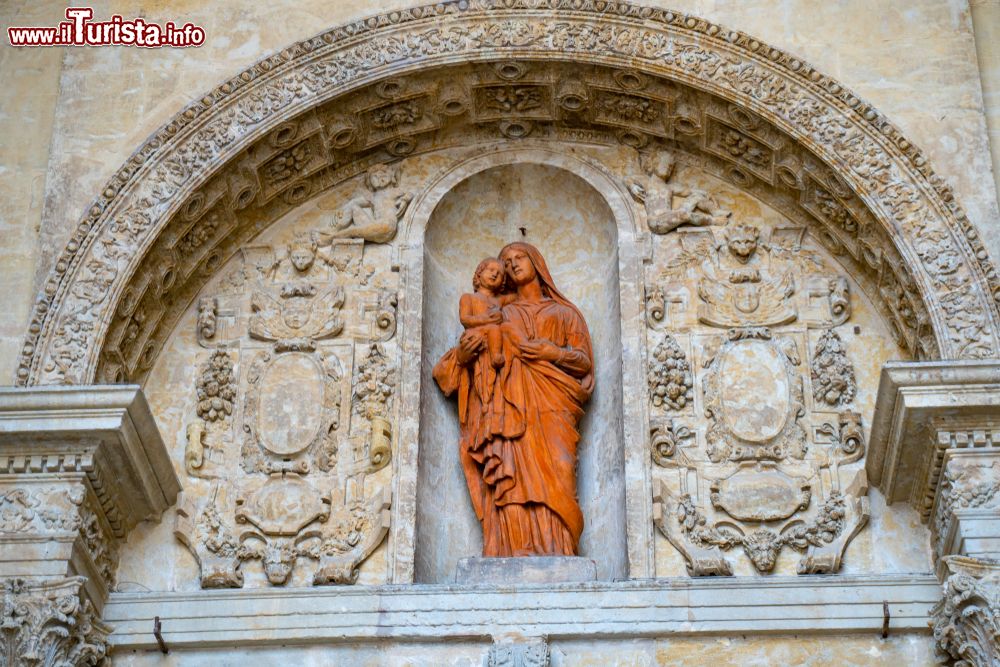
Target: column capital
<point x="966" y="621"/>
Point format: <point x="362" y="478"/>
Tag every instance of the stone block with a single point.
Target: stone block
<point x="533" y="570"/>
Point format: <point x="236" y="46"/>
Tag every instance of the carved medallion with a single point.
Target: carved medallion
<point x="753" y="399"/>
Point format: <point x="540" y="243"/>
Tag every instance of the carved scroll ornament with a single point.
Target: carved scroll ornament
<point x="753" y="472"/>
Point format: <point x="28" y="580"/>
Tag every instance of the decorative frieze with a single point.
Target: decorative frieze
<point x="525" y="653"/>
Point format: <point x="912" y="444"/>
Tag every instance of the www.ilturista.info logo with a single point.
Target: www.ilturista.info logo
<point x="79" y="30"/>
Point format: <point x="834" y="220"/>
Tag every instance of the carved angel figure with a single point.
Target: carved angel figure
<point x="696" y="207"/>
<point x="374" y="215"/>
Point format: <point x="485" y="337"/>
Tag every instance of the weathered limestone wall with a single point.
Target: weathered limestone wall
<point x="27" y="115"/>
<point x="71" y="117"/>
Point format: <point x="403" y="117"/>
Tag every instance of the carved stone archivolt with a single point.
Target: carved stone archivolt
<point x="333" y="107"/>
<point x="768" y="456"/>
<point x="293" y="413"/>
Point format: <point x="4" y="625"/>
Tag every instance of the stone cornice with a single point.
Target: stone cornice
<point x="919" y="406"/>
<point x="727" y="606"/>
<point x="106" y="433"/>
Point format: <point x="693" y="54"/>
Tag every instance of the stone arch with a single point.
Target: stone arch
<point x="94" y="279"/>
<point x="620" y="453"/>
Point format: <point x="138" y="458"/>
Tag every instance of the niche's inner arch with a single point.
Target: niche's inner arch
<point x="575" y="230"/>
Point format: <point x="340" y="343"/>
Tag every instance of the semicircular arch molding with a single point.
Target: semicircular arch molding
<point x="93" y="280"/>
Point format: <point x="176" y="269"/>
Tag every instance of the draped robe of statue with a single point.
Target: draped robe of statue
<point x="518" y="446"/>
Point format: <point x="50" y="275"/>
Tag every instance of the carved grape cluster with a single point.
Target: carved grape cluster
<point x="373" y="384"/>
<point x="216" y="388"/>
<point x="670" y="378"/>
<point x="832" y="373"/>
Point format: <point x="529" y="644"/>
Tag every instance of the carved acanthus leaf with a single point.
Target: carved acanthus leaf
<point x="966" y="622"/>
<point x="47" y="623"/>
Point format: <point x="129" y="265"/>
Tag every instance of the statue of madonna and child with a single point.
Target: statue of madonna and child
<point x="522" y="372"/>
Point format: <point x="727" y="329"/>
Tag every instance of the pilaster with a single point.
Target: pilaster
<point x="936" y="444"/>
<point x="79" y="468"/>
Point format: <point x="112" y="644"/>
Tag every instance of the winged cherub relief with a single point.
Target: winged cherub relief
<point x="670" y="206"/>
<point x="373" y="215"/>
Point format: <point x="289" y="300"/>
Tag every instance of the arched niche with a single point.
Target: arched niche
<point x="576" y="231"/>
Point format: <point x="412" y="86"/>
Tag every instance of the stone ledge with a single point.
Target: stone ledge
<point x="534" y="570"/>
<point x="106" y="432"/>
<point x="914" y="399"/>
<point x="773" y="605"/>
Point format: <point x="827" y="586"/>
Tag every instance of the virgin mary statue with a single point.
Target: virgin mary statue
<point x="518" y="445"/>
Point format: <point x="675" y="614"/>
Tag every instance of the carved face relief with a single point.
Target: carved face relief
<point x="302" y="259"/>
<point x="742" y="242"/>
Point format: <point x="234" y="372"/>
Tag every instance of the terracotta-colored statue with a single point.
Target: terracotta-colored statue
<point x="481" y="309"/>
<point x="519" y="436"/>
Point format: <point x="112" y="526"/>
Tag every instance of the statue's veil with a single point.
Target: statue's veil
<point x="549" y="287"/>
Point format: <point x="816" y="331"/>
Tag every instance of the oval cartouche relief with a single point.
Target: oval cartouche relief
<point x="755" y="390"/>
<point x="291" y="403"/>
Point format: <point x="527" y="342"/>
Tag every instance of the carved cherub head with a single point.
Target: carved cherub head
<point x="659" y="164"/>
<point x="742" y="241"/>
<point x="302" y="252"/>
<point x="489" y="274"/>
<point x="381" y="176"/>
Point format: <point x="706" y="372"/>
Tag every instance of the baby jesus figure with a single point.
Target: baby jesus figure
<point x="481" y="309"/>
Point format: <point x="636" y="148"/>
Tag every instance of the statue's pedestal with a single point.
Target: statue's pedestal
<point x="526" y="570"/>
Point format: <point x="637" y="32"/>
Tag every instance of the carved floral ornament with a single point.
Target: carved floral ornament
<point x="96" y="286"/>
